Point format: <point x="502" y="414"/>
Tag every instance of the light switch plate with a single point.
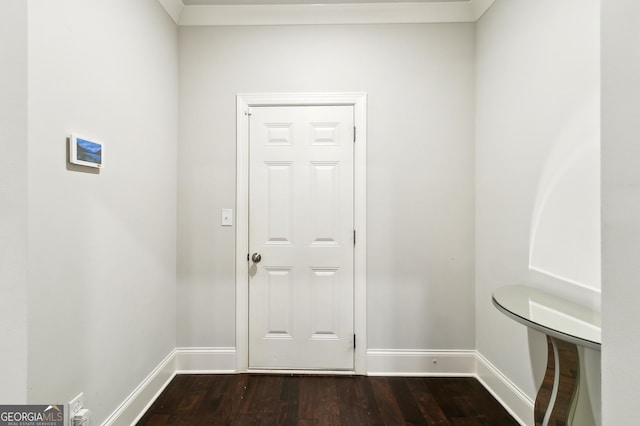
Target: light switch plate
<point x="227" y="217"/>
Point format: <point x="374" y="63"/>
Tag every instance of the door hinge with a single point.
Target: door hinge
<point x="354" y="341"/>
<point x="354" y="134"/>
<point x="247" y="257"/>
<point x="354" y="237"/>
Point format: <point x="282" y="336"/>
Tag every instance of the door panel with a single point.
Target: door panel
<point x="301" y="223"/>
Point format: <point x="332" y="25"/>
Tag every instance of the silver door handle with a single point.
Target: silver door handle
<point x="256" y="257"/>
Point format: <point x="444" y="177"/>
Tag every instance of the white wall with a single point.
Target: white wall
<point x="620" y="211"/>
<point x="420" y="85"/>
<point x="101" y="245"/>
<point x="537" y="171"/>
<point x="420" y="81"/>
<point x="13" y="202"/>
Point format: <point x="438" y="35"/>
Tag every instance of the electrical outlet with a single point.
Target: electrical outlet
<point x="75" y="405"/>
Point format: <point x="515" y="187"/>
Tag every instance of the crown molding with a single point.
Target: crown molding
<point x="327" y="14"/>
<point x="479" y="7"/>
<point x="174" y="8"/>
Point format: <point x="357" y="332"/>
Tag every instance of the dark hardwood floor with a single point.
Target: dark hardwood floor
<point x="257" y="399"/>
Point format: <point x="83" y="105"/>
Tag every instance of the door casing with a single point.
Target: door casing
<point x="243" y="103"/>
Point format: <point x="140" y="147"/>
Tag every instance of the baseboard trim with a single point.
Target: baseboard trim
<point x="446" y="363"/>
<point x="380" y="362"/>
<point x="139" y="401"/>
<point x="206" y="360"/>
<point x="512" y="398"/>
<point x="415" y="362"/>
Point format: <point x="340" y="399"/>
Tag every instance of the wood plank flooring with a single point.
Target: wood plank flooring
<point x="262" y="399"/>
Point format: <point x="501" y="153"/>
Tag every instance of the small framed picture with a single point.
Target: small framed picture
<point x="86" y="151"/>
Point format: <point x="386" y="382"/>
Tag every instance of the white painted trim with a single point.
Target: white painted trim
<point x="360" y="223"/>
<point x="336" y="13"/>
<point x="139" y="401"/>
<point x="243" y="102"/>
<point x="206" y="360"/>
<point x="380" y="362"/>
<point x="301" y="372"/>
<point x="417" y="362"/>
<point x="479" y="7"/>
<point x="453" y="363"/>
<point x="242" y="235"/>
<point x="174" y="8"/>
<point x="514" y="400"/>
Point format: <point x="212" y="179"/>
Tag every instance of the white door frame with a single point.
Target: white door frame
<point x="243" y="103"/>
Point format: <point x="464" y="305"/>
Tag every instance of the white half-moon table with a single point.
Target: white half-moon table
<point x="566" y="325"/>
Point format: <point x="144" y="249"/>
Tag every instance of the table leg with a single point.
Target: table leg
<point x="557" y="396"/>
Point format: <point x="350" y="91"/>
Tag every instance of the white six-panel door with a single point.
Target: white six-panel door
<point x="301" y="225"/>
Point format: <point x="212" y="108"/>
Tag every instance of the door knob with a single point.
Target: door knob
<point x="256" y="257"/>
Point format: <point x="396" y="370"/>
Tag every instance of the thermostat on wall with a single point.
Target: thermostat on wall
<point x="86" y="151"/>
